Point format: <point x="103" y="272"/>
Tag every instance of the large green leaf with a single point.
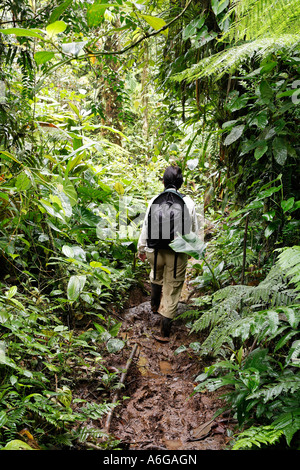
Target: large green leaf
<point x="192" y="28"/>
<point x="155" y="22"/>
<point x="66" y="186"/>
<point x="260" y="150"/>
<point x="287" y="205"/>
<point x="260" y="120"/>
<point x="95" y="13"/>
<point x="75" y="286"/>
<point x="234" y="135"/>
<point x="17" y="444"/>
<point x="47" y="206"/>
<point x="266" y="92"/>
<point x="219" y="5"/>
<point x="23" y="182"/>
<point x="236" y="102"/>
<point x="189" y="244"/>
<point x="42" y="57"/>
<point x="280" y="150"/>
<point x="114" y="345"/>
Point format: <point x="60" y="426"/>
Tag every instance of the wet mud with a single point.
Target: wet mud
<point x="160" y="411"/>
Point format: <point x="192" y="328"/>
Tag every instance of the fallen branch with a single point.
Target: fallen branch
<point x="122" y="380"/>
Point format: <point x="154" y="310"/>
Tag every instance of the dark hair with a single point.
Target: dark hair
<point x="173" y="177"/>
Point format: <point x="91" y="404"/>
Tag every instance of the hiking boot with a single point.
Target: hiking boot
<point x="165" y="327"/>
<point x="156" y="290"/>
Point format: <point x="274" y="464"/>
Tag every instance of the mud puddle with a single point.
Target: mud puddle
<point x="159" y="411"/>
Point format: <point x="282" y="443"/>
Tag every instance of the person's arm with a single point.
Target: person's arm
<point x="193" y="215"/>
<point x="194" y="220"/>
<point x="142" y="242"/>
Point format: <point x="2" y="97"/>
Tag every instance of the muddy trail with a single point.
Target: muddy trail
<point x="160" y="412"/>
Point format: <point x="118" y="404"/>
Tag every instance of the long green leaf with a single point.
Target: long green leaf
<point x="59" y="10"/>
<point x="6" y="155"/>
<point x="22" y="32"/>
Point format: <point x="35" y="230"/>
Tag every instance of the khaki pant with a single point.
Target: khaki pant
<point x="171" y="287"/>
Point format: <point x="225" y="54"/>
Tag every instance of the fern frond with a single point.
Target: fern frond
<point x="287" y="383"/>
<point x="262" y="311"/>
<point x="256" y="436"/>
<point x="88" y="432"/>
<point x="257" y="18"/>
<point x="228" y="60"/>
<point x="288" y="423"/>
<point x="259" y="28"/>
<point x="289" y="261"/>
<point x="97" y="411"/>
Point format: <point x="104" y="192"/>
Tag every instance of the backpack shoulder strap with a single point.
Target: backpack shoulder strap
<point x="171" y="190"/>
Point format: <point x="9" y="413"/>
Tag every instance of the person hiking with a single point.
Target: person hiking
<point x="167" y="215"/>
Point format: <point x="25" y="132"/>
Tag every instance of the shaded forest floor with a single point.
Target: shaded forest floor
<point x="160" y="412"/>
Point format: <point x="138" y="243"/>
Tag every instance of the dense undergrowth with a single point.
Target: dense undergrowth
<point x="68" y="271"/>
<point x="88" y="123"/>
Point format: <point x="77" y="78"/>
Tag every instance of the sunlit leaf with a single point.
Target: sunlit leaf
<point x="119" y="188"/>
<point x="189" y="244"/>
<point x="287" y="205"/>
<point x="11" y="292"/>
<point x="55" y="28"/>
<point x="17" y="444"/>
<point x="280" y="150"/>
<point x="23" y="182"/>
<point x="42" y="57"/>
<point x="155" y="22"/>
<point x="6" y="155"/>
<point x="95" y="13"/>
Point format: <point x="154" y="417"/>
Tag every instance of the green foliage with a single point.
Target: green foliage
<point x="257" y="28"/>
<point x="264" y="391"/>
<point x="237" y="311"/>
<point x="37" y="351"/>
<point x="87" y="123"/>
<point x="230" y="59"/>
<point x="289" y="261"/>
<point x="256" y="437"/>
<point x="261" y="350"/>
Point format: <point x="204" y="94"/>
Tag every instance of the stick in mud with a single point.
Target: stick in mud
<point x="122" y="380"/>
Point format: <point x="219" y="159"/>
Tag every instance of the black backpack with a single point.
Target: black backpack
<point x="168" y="215"/>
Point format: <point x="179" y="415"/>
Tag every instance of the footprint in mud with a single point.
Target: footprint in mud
<point x="161" y="412"/>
